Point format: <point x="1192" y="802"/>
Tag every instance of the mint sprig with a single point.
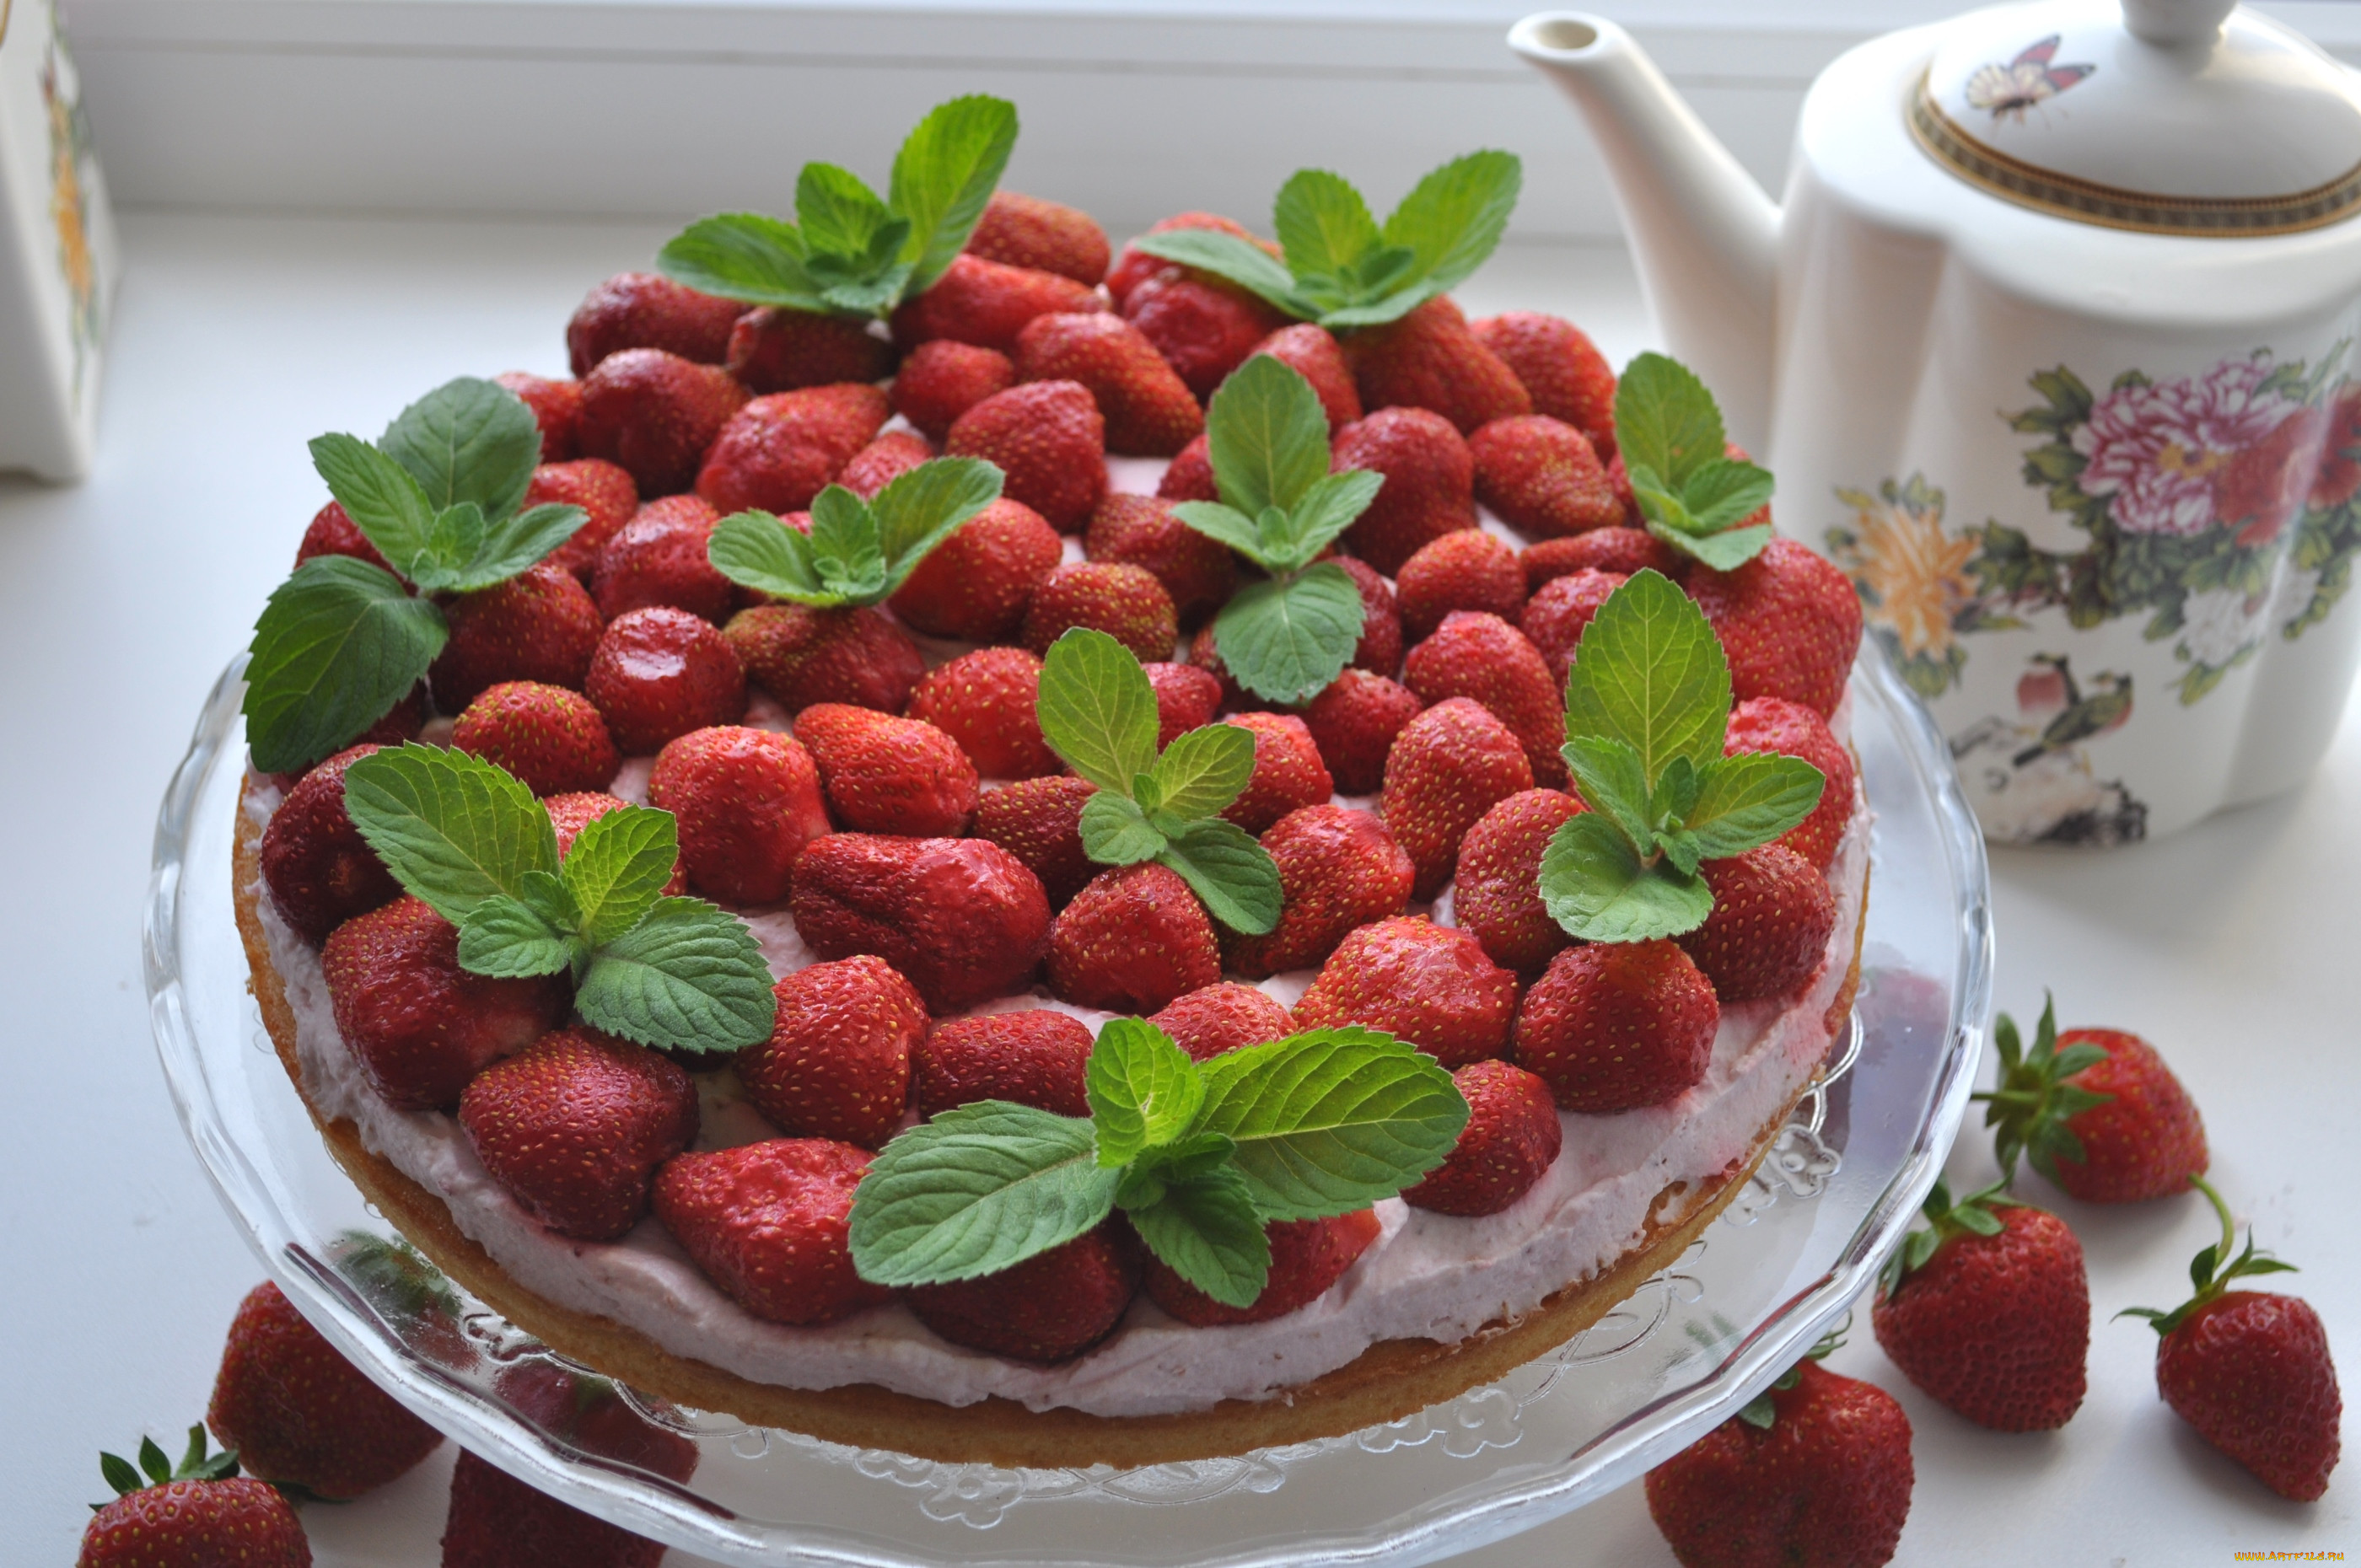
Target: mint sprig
<point x="1341" y="269"/>
<point x="1267" y="436"/>
<point x="1200" y="1156"/>
<point x="851" y="251"/>
<point x="1098" y="712"/>
<point x="441" y="495"/>
<point x="1693" y="495"/>
<point x="468" y="840"/>
<point x="857" y="551"/>
<point x="1647" y="713"/>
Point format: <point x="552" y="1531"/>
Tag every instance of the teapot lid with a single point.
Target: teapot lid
<point x="2170" y="116"/>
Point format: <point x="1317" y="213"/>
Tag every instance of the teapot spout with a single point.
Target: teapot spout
<point x="1704" y="235"/>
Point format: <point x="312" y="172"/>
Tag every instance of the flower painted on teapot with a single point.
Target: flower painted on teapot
<point x="2161" y="451"/>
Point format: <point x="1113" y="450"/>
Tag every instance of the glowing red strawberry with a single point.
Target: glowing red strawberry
<point x="768" y="1223"/>
<point x="418" y="1025"/>
<point x="297" y="1413"/>
<point x="1429" y="489"/>
<point x="1559" y="368"/>
<point x="884" y="774"/>
<point x="1039" y="821"/>
<point x="2097" y="1111"/>
<point x="838" y="1062"/>
<point x="746" y="802"/>
<point x="1050" y="1308"/>
<point x="1448" y="767"/>
<point x="1149" y="410"/>
<point x="963" y="919"/>
<point x="1768" y="933"/>
<point x="1555" y="617"/>
<point x="551" y="738"/>
<point x="574" y="1126"/>
<point x="319" y="870"/>
<point x="1025" y="231"/>
<point x="1429" y="359"/>
<point x="1203" y="327"/>
<point x="891" y="454"/>
<point x="801" y="655"/>
<point x="641" y="309"/>
<point x="1496" y="898"/>
<point x="1482" y="656"/>
<point x="1512" y="1138"/>
<point x="1611" y="549"/>
<point x="1033" y="1057"/>
<point x="1789" y="621"/>
<point x="1048" y="439"/>
<point x="1131" y="941"/>
<point x="1287" y="771"/>
<point x="200" y="1514"/>
<point x="540" y="625"/>
<point x="942" y="379"/>
<point x="1307" y="1257"/>
<point x="1465" y="569"/>
<point x="780" y="451"/>
<point x="1615" y="1026"/>
<point x="556" y="406"/>
<point x="607" y="496"/>
<point x="655" y="414"/>
<point x="1338" y="871"/>
<point x="1207" y="1022"/>
<point x="976" y="584"/>
<point x="1428" y="984"/>
<point x="986" y="701"/>
<point x="1541" y="478"/>
<point x="1140" y="530"/>
<point x="1353" y="721"/>
<point x="660" y="672"/>
<point x="775" y="350"/>
<point x="1189" y="477"/>
<point x="1125" y="602"/>
<point x="1312" y="353"/>
<point x="1774" y="725"/>
<point x="987" y="303"/>
<point x="1186" y="698"/>
<point x="332" y="532"/>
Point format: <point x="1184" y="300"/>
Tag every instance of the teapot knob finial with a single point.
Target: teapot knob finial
<point x="2171" y="24"/>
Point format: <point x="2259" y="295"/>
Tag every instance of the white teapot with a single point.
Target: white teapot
<point x="2050" y="346"/>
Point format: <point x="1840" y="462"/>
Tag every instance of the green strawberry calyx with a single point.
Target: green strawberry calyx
<point x="857" y="552"/>
<point x="1338" y="266"/>
<point x="1267" y="438"/>
<point x="849" y="251"/>
<point x="441" y="495"/>
<point x="1762" y="1412"/>
<point x="2213" y="1270"/>
<point x="1647" y="714"/>
<point x="1693" y="495"/>
<point x="159" y="1470"/>
<point x="1199" y="1155"/>
<point x="1973" y="1215"/>
<point x="2033" y="1103"/>
<point x="1098" y="711"/>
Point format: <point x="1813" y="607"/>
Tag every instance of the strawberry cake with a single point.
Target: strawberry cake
<point x="974" y="846"/>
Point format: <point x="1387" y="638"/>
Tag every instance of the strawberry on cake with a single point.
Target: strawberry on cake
<point x="826" y="901"/>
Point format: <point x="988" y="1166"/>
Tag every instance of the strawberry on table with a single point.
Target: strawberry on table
<point x="659" y="558"/>
<point x="1125" y="602"/>
<point x="660" y="672"/>
<point x="1141" y="531"/>
<point x="551" y="738"/>
<point x="1049" y="439"/>
<point x="1186" y="698"/>
<point x="802" y="655"/>
<point x="884" y="774"/>
<point x="1339" y="870"/>
<point x="1541" y="478"/>
<point x="1559" y="368"/>
<point x="1512" y="1138"/>
<point x="1555" y="617"/>
<point x="1379" y="651"/>
<point x="1617" y="549"/>
<point x="747" y="802"/>
<point x="766" y="1222"/>
<point x="1202" y="327"/>
<point x="963" y="918"/>
<point x="556" y="406"/>
<point x="1430" y="359"/>
<point x="1449" y="766"/>
<point x="1039" y="821"/>
<point x="1496" y="898"/>
<point x="1307" y="1257"/>
<point x="1473" y="654"/>
<point x="1768" y="933"/>
<point x="984" y="701"/>
<point x="1615" y="1026"/>
<point x="607" y="496"/>
<point x="1131" y="941"/>
<point x="1049" y="236"/>
<point x="540" y="625"/>
<point x="1050" y="1308"/>
<point x="976" y="584"/>
<point x="297" y="1413"/>
<point x="774" y="350"/>
<point x="201" y="1513"/>
<point x="891" y="454"/>
<point x="1466" y="569"/>
<point x="941" y="379"/>
<point x="1288" y="772"/>
<point x="1149" y="410"/>
<point x="2096" y="1111"/>
<point x="319" y="870"/>
<point x="1033" y="1057"/>
<point x="656" y="414"/>
<point x="1430" y="985"/>
<point x="779" y="451"/>
<point x="643" y="310"/>
<point x="1430" y="489"/>
<point x="838" y="1062"/>
<point x="1227" y="1017"/>
<point x="987" y="303"/>
<point x="574" y="1126"/>
<point x="1353" y="722"/>
<point x="1190" y="475"/>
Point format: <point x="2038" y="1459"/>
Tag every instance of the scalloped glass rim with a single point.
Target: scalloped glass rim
<point x="1907" y="767"/>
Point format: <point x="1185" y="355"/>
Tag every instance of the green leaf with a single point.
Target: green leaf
<point x="1331" y="1120"/>
<point x="845" y="552"/>
<point x="454" y="830"/>
<point x="336" y="646"/>
<point x="1187" y="1157"/>
<point x="836" y="212"/>
<point x="514" y="544"/>
<point x="1285" y="641"/>
<point x="1724" y="552"/>
<point x="390" y="508"/>
<point x="152" y="1459"/>
<point x="1613" y="782"/>
<point x="925" y="506"/>
<point x="1115" y="832"/>
<point x="1267" y="436"/>
<point x="1451" y="219"/>
<point x="616" y="869"/>
<point x="454" y="539"/>
<point x="688" y="976"/>
<point x="507" y="939"/>
<point x="1594" y="885"/>
<point x="743" y="256"/>
<point x="1143" y="1089"/>
<point x="1322" y="224"/>
<point x="468" y="440"/>
<point x="1665" y="419"/>
<point x="1751" y="799"/>
<point x="1201" y="771"/>
<point x="1649" y="672"/>
<point x="976" y="1191"/>
<point x="1224" y="525"/>
<point x="1724" y="492"/>
<point x="1241" y="261"/>
<point x="943" y="177"/>
<point x="1332" y="505"/>
<point x="755" y="550"/>
<point x="1225" y="867"/>
<point x="1096" y="708"/>
<point x="1208" y="1233"/>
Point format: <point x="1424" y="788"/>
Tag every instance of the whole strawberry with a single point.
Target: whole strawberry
<point x="1429" y="359"/>
<point x="551" y="738"/>
<point x="768" y="1223"/>
<point x="2096" y="1111"/>
<point x="1288" y="772"/>
<point x="1186" y="698"/>
<point x="1428" y="984"/>
<point x="1496" y="898"/>
<point x="1039" y="821"/>
<point x="976" y="584"/>
<point x="556" y="407"/>
<point x="1988" y="1311"/>
<point x="1768" y="933"/>
<point x="746" y="802"/>
<point x="199" y="1514"/>
<point x="1615" y="1026"/>
<point x="2249" y="1369"/>
<point x="986" y="303"/>
<point x="319" y="870"/>
<point x="1131" y="941"/>
<point x="1189" y="477"/>
<point x="645" y="310"/>
<point x="540" y="625"/>
<point x="655" y="414"/>
<point x="1354" y="723"/>
<point x="943" y="379"/>
<point x="1540" y="478"/>
<point x="1466" y="569"/>
<point x="1149" y="410"/>
<point x="660" y="672"/>
<point x="1512" y="1138"/>
<point x="1448" y="767"/>
<point x="1430" y="487"/>
<point x="1789" y="621"/>
<point x="1307" y="1257"/>
<point x="297" y="1414"/>
<point x="1135" y="267"/>
<point x="1627" y="551"/>
<point x="1025" y="231"/>
<point x="574" y="1126"/>
<point x="1050" y="1308"/>
<point x="1339" y="870"/>
<point x="837" y="1065"/>
<point x="1125" y="602"/>
<point x="1140" y="530"/>
<point x="780" y="451"/>
<point x="660" y="558"/>
<point x="986" y="701"/>
<point x="1313" y="353"/>
<point x="884" y="774"/>
<point x="1379" y="652"/>
<point x="1815" y="1474"/>
<point x="1773" y="724"/>
<point x="893" y="453"/>
<point x="1206" y="328"/>
<point x="1560" y="368"/>
<point x="1223" y="1017"/>
<point x="963" y="919"/>
<point x="1032" y="1057"/>
<point x="1481" y="656"/>
<point x="605" y="493"/>
<point x="774" y="350"/>
<point x="801" y="655"/>
<point x="1557" y="616"/>
<point x="1048" y="439"/>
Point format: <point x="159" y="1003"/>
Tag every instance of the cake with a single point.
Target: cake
<point x="1592" y="1015"/>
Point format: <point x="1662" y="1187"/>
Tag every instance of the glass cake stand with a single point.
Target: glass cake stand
<point x="1696" y="1342"/>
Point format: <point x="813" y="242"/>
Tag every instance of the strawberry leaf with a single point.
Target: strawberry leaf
<point x="687" y="976"/>
<point x="1144" y="1091"/>
<point x="1233" y="875"/>
<point x="1208" y="1231"/>
<point x="1224" y="525"/>
<point x="1723" y="551"/>
<point x="1097" y="710"/>
<point x="1649" y="672"/>
<point x="944" y="175"/>
<point x="1596" y="884"/>
<point x="1285" y="641"/>
<point x="511" y="545"/>
<point x="1724" y="492"/>
<point x="454" y="830"/>
<point x="336" y="646"/>
<point x="743" y="256"/>
<point x="1333" y="504"/>
<point x="976" y="1191"/>
<point x="468" y="440"/>
<point x="845" y="552"/>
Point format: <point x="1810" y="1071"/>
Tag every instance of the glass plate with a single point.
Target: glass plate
<point x="1689" y="1348"/>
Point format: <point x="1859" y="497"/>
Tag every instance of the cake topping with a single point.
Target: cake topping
<point x="1698" y="496"/>
<point x="855" y="552"/>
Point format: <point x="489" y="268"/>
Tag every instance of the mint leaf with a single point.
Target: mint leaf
<point x="1749" y="800"/>
<point x="336" y="646"/>
<point x="616" y="869"/>
<point x="845" y="552"/>
<point x="1201" y="771"/>
<point x="1614" y="782"/>
<point x="836" y="213"/>
<point x="454" y="539"/>
<point x="1143" y="1089"/>
<point x="1724" y="491"/>
<point x="688" y="976"/>
<point x="1115" y="832"/>
<point x="1285" y="641"/>
<point x="925" y="506"/>
<point x="507" y="939"/>
<point x="944" y="175"/>
<point x="1096" y="708"/>
<point x="454" y="830"/>
<point x="978" y="1190"/>
<point x="391" y="508"/>
<point x="1207" y="1232"/>
<point x="1267" y="436"/>
<point x="1331" y="1120"/>
<point x="1453" y="219"/>
<point x="1332" y="505"/>
<point x="516" y="543"/>
<point x="467" y="440"/>
<point x="1240" y="261"/>
<point x="1322" y="224"/>
<point x="1235" y="876"/>
<point x="1649" y="672"/>
<point x="1224" y="525"/>
<point x="755" y="550"/>
<point x="1665" y="419"/>
<point x="742" y="256"/>
<point x="1723" y="551"/>
<point x="1594" y="885"/>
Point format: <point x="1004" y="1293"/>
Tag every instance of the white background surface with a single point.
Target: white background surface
<point x="2232" y="948"/>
